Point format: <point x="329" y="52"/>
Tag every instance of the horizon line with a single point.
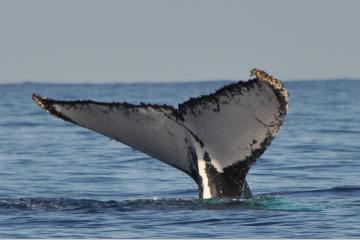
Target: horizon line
<point x="161" y="82"/>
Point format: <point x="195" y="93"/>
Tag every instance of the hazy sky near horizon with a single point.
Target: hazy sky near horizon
<point x="165" y="41"/>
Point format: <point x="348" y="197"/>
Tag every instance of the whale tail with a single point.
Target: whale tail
<point x="214" y="138"/>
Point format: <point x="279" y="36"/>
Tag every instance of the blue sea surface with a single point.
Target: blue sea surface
<point x="60" y="180"/>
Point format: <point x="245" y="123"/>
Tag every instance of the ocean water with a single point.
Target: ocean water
<point x="59" y="180"/>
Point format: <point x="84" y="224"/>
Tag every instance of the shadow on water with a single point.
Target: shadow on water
<point x="261" y="202"/>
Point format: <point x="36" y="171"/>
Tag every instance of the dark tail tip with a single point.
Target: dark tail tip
<point x="36" y="97"/>
<point x="39" y="100"/>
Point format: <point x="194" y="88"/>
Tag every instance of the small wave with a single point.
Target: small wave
<point x="13" y="124"/>
<point x="332" y="190"/>
<point x="263" y="202"/>
<point x="346" y="189"/>
<point x="53" y="203"/>
<point x="339" y="131"/>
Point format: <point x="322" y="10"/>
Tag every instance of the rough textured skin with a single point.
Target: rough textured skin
<point x="214" y="138"/>
<point x="279" y="89"/>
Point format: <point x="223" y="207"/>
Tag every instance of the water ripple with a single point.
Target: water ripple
<point x="264" y="202"/>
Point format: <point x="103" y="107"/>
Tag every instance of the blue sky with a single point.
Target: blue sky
<point x="165" y="41"/>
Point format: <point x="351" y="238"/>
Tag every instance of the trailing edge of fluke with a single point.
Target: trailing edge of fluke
<point x="214" y="138"/>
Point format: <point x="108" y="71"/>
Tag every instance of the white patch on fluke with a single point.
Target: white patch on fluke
<point x="205" y="181"/>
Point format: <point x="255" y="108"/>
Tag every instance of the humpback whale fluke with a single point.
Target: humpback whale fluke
<point x="214" y="138"/>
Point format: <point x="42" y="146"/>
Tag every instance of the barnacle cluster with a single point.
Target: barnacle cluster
<point x="275" y="83"/>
